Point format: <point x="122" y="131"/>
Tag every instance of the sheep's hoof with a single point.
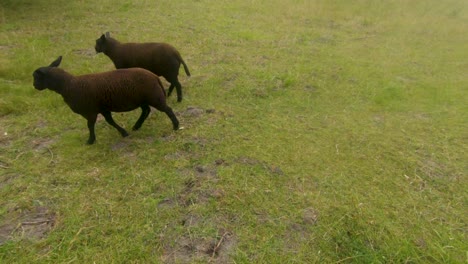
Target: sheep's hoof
<point x="124" y="133"/>
<point x="90" y="142"/>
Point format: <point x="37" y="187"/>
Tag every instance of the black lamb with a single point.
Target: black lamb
<point x="160" y="58"/>
<point x="102" y="93"/>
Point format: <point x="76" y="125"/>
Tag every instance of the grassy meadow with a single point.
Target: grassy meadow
<point x="314" y="132"/>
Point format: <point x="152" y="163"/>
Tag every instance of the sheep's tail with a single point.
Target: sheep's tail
<point x="185" y="65"/>
<point x="162" y="87"/>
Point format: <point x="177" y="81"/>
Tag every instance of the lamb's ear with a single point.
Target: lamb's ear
<point x="107" y="34"/>
<point x="56" y="62"/>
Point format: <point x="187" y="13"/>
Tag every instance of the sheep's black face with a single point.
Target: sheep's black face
<point x="41" y="75"/>
<point x="40" y="78"/>
<point x="100" y="44"/>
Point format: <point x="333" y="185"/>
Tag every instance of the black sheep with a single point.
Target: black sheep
<point x="102" y="93"/>
<point x="160" y="58"/>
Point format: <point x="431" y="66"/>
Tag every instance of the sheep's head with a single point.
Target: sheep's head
<point x="41" y="81"/>
<point x="101" y="43"/>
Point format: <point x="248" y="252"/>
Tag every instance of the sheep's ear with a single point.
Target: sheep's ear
<point x="107" y="34"/>
<point x="56" y="63"/>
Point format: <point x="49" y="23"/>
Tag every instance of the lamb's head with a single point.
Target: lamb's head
<point x="41" y="79"/>
<point x="101" y="43"/>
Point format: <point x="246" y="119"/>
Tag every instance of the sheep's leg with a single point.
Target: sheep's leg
<point x="92" y="135"/>
<point x="175" y="83"/>
<point x="179" y="90"/>
<point x="108" y="116"/>
<point x="166" y="109"/>
<point x="170" y="90"/>
<point x="145" y="111"/>
<point x="172" y="116"/>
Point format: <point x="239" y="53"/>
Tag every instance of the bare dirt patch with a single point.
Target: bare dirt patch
<point x="192" y="246"/>
<point x="310" y="88"/>
<point x="205" y="171"/>
<point x="32" y="224"/>
<point x="432" y="168"/>
<point x="193" y="114"/>
<point x="191" y="220"/>
<point x="189" y="149"/>
<point x="229" y="81"/>
<point x="5" y="47"/>
<point x="188" y="249"/>
<point x="42" y="145"/>
<point x="192" y="111"/>
<point x="176" y="155"/>
<point x="299" y="232"/>
<point x="310" y="216"/>
<point x="5" y="140"/>
<point x="4" y="165"/>
<point x="120" y="145"/>
<point x="167" y="202"/>
<point x="273" y="169"/>
<point x="7" y="178"/>
<point x="219" y="250"/>
<point x="194" y="191"/>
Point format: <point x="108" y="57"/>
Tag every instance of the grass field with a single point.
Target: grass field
<point x="315" y="132"/>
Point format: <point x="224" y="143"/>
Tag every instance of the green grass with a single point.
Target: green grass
<point x="331" y="132"/>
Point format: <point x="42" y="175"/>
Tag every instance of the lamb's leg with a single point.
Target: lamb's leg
<point x="108" y="116"/>
<point x="92" y="135"/>
<point x="145" y="111"/>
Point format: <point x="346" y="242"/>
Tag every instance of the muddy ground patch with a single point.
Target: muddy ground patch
<point x="187" y="249"/>
<point x="216" y="243"/>
<point x="31" y="224"/>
